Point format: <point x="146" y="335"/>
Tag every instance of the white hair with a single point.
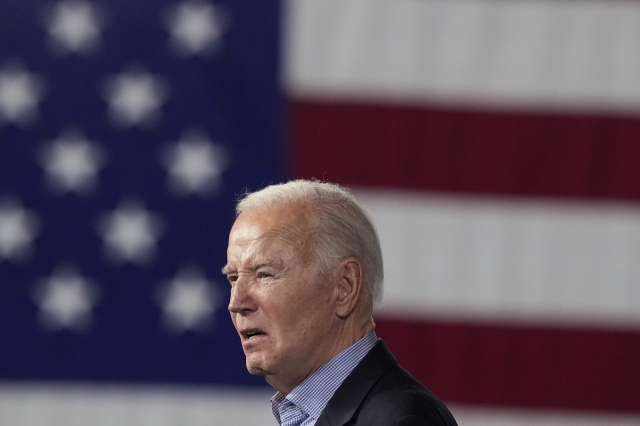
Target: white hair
<point x="342" y="228"/>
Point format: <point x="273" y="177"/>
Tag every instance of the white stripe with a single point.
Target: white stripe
<point x="100" y="405"/>
<point x="518" y="53"/>
<point x="515" y="259"/>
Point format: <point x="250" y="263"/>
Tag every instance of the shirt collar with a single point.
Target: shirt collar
<point x="313" y="394"/>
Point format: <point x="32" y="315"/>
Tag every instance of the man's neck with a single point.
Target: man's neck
<point x="347" y="338"/>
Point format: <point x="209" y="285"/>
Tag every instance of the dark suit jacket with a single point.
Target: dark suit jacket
<point x="379" y="392"/>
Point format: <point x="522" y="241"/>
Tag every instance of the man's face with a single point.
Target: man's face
<point x="281" y="307"/>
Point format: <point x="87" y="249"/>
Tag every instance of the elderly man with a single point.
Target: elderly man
<point x="305" y="268"/>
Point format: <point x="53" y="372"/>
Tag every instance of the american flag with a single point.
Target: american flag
<point x="494" y="143"/>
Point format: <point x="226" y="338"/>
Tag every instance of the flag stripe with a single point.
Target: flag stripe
<point x="117" y="405"/>
<point x="514" y="260"/>
<point x="522" y="54"/>
<point x="483" y="416"/>
<point x="82" y="404"/>
<point x="467" y="151"/>
<point x="524" y="366"/>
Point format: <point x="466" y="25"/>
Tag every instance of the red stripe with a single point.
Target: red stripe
<point x="467" y="151"/>
<point x="520" y="366"/>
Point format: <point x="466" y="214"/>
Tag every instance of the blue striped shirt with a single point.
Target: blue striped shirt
<point x="304" y="404"/>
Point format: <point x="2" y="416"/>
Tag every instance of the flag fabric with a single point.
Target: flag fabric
<point x="496" y="145"/>
<point x="127" y="131"/>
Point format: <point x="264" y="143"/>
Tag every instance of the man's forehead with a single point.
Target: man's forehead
<point x="258" y="234"/>
<point x="275" y="253"/>
<point x="288" y="222"/>
<point x="274" y="241"/>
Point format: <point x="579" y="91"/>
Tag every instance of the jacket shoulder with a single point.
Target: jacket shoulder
<point x="380" y="392"/>
<point x="399" y="399"/>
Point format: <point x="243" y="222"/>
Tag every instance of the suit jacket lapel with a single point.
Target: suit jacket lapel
<point x="345" y="402"/>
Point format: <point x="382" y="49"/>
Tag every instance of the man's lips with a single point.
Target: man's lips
<point x="251" y="333"/>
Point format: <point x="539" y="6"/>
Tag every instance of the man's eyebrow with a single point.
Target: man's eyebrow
<point x="267" y="264"/>
<point x="226" y="270"/>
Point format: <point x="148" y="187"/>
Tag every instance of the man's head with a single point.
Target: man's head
<point x="305" y="267"/>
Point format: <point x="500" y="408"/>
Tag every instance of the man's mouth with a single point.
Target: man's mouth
<point x="251" y="333"/>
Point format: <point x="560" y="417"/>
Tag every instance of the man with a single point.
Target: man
<point x="305" y="268"/>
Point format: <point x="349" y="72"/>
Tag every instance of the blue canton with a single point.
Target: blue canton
<point x="127" y="131"/>
<point x="305" y="403"/>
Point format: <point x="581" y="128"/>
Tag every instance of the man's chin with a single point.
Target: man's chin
<point x="256" y="369"/>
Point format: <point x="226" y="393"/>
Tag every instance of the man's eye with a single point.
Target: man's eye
<point x="232" y="278"/>
<point x="264" y="275"/>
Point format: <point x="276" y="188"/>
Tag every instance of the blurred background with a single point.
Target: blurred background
<point x="496" y="145"/>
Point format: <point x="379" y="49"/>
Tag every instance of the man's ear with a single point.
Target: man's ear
<point x="349" y="286"/>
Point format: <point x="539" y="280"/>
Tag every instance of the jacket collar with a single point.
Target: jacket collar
<point x="347" y="399"/>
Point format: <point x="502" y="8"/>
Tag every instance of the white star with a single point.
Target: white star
<point x="195" y="28"/>
<point x="194" y="165"/>
<point x="73" y="26"/>
<point x="188" y="301"/>
<point x="20" y="94"/>
<point x="71" y="163"/>
<point x="130" y="233"/>
<point x="135" y="98"/>
<point x="66" y="300"/>
<point x="18" y="228"/>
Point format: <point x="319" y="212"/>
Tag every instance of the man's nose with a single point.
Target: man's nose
<point x="241" y="300"/>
